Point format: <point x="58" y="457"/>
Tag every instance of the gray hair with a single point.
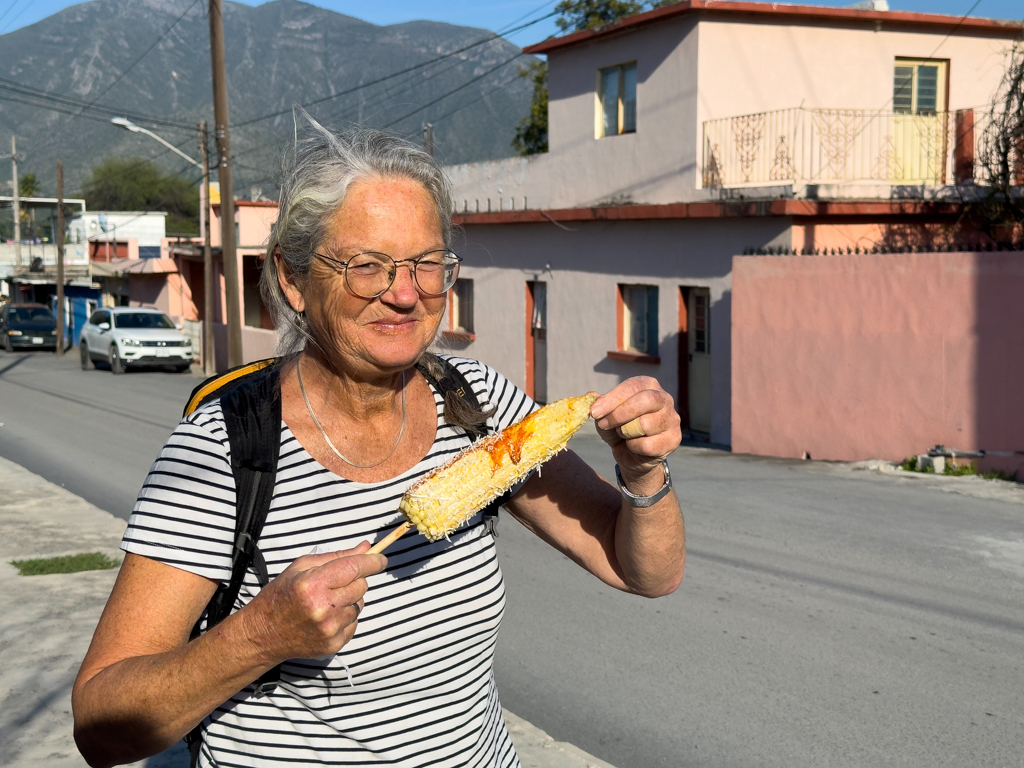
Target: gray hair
<point x="317" y="176"/>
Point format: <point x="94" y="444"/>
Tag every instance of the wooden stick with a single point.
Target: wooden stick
<point x="632" y="429"/>
<point x="391" y="538"/>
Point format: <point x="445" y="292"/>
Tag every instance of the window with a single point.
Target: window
<point x="701" y="324"/>
<point x="919" y="87"/>
<point x="142" y="320"/>
<point x="639" y="319"/>
<point x="460" y="310"/>
<point x="616" y="100"/>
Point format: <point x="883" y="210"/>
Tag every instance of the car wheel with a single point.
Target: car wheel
<point x="183" y="367"/>
<point x="7" y="343"/>
<point x="116" y="366"/>
<point x="83" y="353"/>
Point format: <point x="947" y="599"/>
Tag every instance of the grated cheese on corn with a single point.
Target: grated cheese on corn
<point x="446" y="498"/>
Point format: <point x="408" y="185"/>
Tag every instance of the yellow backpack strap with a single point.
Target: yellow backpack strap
<point x="222" y="381"/>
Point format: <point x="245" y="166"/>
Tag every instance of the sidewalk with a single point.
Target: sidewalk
<point x="48" y="621"/>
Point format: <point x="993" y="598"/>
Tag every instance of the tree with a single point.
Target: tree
<point x="28" y="186"/>
<point x="532" y="132"/>
<point x="999" y="210"/>
<point x="577" y="15"/>
<point x="138" y="185"/>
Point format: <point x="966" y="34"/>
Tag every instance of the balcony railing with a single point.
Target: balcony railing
<point x="826" y="146"/>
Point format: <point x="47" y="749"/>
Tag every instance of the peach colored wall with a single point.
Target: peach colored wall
<point x="254" y="223"/>
<point x="877" y="356"/>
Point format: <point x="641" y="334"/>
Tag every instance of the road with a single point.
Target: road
<point x="829" y="617"/>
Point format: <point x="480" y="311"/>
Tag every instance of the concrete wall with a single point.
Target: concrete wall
<point x="257" y="344"/>
<point x="856" y="357"/>
<point x="582" y="269"/>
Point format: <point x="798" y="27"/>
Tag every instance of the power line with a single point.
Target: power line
<point x="53" y="108"/>
<point x="400" y="72"/>
<point x="9" y="9"/>
<point x="20" y="14"/>
<point x="454" y="90"/>
<point x="45" y="95"/>
<point x="106" y="90"/>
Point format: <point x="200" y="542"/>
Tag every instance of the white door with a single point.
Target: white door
<point x="539" y="332"/>
<point x="699" y="344"/>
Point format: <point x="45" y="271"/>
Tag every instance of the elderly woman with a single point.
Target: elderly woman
<point x="384" y="660"/>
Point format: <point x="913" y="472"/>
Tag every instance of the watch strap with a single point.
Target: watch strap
<point x="644" y="501"/>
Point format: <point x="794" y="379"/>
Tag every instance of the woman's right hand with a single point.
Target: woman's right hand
<point x="312" y="608"/>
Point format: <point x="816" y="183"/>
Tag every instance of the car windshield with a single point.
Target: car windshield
<point x="142" y="320"/>
<point x="31" y="314"/>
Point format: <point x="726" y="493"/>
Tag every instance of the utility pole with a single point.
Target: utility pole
<point x="428" y="138"/>
<point x="60" y="258"/>
<point x="15" y="194"/>
<point x="209" y="368"/>
<point x="227" y="200"/>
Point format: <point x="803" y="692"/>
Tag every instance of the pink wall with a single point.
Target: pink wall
<point x="878" y="356"/>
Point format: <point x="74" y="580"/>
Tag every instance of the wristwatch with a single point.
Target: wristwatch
<point x="644" y="501"/>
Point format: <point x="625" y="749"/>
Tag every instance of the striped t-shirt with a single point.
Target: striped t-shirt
<point x="414" y="687"/>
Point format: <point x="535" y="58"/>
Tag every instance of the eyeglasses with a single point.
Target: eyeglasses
<point x="369" y="274"/>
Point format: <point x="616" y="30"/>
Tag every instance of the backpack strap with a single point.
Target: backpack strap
<point x="252" y="416"/>
<point x="215" y="387"/>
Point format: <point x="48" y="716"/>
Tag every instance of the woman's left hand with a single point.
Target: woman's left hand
<point x="640" y="398"/>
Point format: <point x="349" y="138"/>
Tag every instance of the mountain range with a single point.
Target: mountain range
<point x="151" y="59"/>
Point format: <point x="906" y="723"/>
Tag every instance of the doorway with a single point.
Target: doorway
<point x="694" y="400"/>
<point x="537" y="341"/>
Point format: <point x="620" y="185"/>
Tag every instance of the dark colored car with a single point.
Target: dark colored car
<point x="28" y="326"/>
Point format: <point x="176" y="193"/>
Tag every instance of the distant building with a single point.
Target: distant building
<point x="108" y="235"/>
<point x="686" y="135"/>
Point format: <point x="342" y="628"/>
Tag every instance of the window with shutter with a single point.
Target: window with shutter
<point x="616" y="100"/>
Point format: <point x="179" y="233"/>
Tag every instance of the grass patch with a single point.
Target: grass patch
<point x="87" y="561"/>
<point x="909" y="464"/>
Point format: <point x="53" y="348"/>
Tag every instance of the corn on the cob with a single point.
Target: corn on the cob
<point x="454" y="492"/>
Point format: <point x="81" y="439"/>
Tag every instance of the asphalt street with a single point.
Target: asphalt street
<point x="829" y="617"/>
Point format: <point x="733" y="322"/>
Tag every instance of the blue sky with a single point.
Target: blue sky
<point x="495" y="15"/>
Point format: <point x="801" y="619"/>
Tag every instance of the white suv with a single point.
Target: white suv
<point x="124" y="337"/>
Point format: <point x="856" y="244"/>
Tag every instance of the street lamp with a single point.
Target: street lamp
<point x="204" y="231"/>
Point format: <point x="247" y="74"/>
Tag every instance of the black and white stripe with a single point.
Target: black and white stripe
<point x="423" y="692"/>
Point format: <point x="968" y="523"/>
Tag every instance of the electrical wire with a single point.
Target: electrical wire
<point x="60" y="130"/>
<point x="18" y="16"/>
<point x="385" y="78"/>
<point x="9" y="9"/>
<point x="454" y="90"/>
<point x="44" y="95"/>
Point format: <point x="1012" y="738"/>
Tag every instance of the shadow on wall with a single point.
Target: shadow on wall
<point x="999" y="361"/>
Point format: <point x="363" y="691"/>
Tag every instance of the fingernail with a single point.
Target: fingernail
<point x="597" y="410"/>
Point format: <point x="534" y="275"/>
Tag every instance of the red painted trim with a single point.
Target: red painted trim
<point x="633" y="357"/>
<point x="793" y="14"/>
<point x="459" y="335"/>
<point x="683" y="403"/>
<point x="620" y="319"/>
<point x="716" y="210"/>
<point x="529" y="339"/>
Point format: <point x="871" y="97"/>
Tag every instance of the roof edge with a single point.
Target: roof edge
<point x="778" y="11"/>
<point x="715" y="210"/>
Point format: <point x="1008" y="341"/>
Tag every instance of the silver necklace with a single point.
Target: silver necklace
<point x="316" y="421"/>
